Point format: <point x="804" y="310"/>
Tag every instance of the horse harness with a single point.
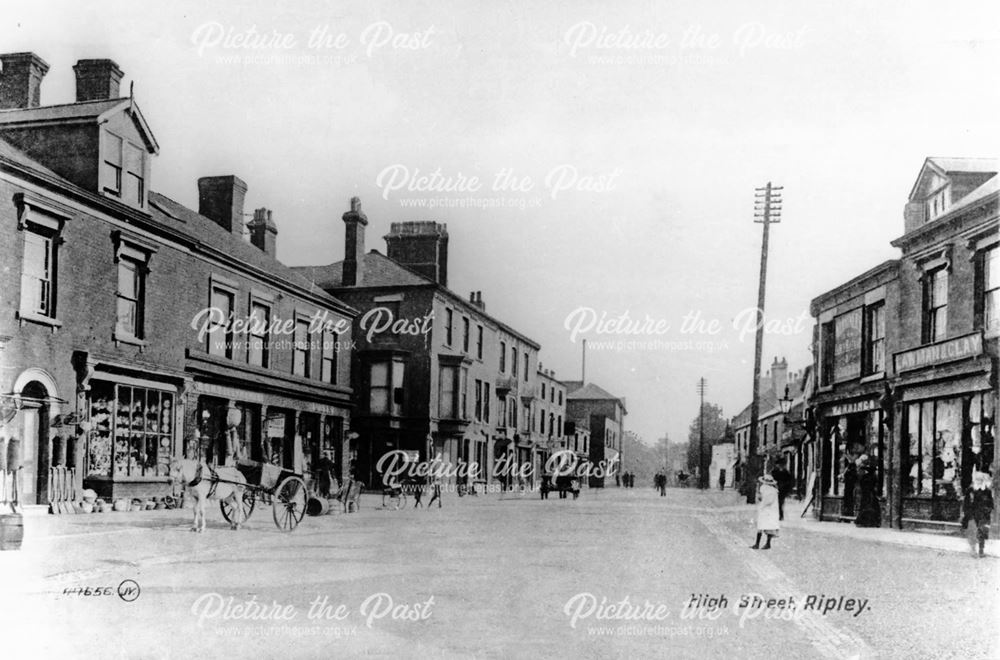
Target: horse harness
<point x="213" y="480"/>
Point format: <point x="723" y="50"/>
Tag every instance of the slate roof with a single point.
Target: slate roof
<point x="181" y="219"/>
<point x="980" y="165"/>
<point x="381" y="271"/>
<point x="209" y="233"/>
<point x="12" y="153"/>
<point x="84" y="110"/>
<point x="377" y="270"/>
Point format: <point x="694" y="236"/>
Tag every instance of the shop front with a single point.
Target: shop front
<point x="231" y="423"/>
<point x="131" y="420"/>
<point x="946" y="405"/>
<point x="853" y="439"/>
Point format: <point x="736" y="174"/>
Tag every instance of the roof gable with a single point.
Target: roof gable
<point x="936" y="171"/>
<point x="87" y="112"/>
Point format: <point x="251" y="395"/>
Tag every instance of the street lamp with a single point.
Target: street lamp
<point x="785" y="402"/>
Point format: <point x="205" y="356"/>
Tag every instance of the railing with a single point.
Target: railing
<point x="10" y="491"/>
<point x="62" y="490"/>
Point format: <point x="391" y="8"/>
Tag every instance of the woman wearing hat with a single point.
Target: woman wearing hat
<point x="767" y="511"/>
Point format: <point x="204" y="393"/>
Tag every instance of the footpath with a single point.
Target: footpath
<point x="39" y="525"/>
<point x="732" y="501"/>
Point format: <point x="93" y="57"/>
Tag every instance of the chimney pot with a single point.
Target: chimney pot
<point x="21" y="80"/>
<point x="97" y="80"/>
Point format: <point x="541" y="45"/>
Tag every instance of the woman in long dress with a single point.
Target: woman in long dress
<point x="767" y="511"/>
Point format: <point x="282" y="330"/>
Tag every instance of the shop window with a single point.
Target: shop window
<point x="258" y="344"/>
<point x="131" y="431"/>
<point x="328" y="366"/>
<point x="874" y="347"/>
<point x="933" y="463"/>
<point x="246" y="432"/>
<point x="935" y="320"/>
<point x="220" y="335"/>
<point x="300" y="349"/>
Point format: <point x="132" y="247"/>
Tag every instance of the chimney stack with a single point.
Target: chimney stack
<point x="263" y="232"/>
<point x="355" y="222"/>
<point x="21" y="80"/>
<point x="420" y="246"/>
<point x="476" y="298"/>
<point x="779" y="377"/>
<point x="220" y="198"/>
<point x="97" y="80"/>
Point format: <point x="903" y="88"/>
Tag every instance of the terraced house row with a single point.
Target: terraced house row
<point x="134" y="330"/>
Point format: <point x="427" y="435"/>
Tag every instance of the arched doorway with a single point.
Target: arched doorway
<point x="35" y="450"/>
<point x="38" y="403"/>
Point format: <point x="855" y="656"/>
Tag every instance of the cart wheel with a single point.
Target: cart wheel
<point x="249" y="500"/>
<point x="289" y="503"/>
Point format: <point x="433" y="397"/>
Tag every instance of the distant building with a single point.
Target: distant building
<point x="604" y="415"/>
<point x="724" y="464"/>
<point x="436" y="375"/>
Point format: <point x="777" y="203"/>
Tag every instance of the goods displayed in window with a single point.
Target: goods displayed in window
<point x="132" y="431"/>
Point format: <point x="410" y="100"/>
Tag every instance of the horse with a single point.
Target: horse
<point x="205" y="483"/>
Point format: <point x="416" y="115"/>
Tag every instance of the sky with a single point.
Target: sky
<point x="590" y="160"/>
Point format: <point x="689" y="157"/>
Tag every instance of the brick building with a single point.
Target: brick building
<point x="603" y="416"/>
<point x="907" y="356"/>
<point x="436" y="375"/>
<point x="856" y="335"/>
<point x="945" y="387"/>
<point x="112" y="362"/>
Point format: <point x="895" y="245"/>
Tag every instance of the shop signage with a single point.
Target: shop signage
<point x="841" y="409"/>
<point x="847" y="346"/>
<point x="275" y="427"/>
<point x="946" y="351"/>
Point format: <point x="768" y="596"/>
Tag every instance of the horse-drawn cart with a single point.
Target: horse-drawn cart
<point x="283" y="490"/>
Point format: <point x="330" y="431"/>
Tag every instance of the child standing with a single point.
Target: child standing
<point x="978" y="507"/>
<point x="767" y="511"/>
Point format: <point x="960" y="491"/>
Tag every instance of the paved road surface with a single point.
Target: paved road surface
<point x="490" y="577"/>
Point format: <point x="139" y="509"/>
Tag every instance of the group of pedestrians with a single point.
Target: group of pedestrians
<point x="660" y="483"/>
<point x="626" y="480"/>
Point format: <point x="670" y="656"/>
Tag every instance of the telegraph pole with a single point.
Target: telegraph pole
<point x="701" y="435"/>
<point x="767" y="210"/>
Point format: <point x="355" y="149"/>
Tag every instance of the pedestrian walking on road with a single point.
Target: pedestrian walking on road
<point x="435" y="483"/>
<point x="767" y="511"/>
<point x="850" y="481"/>
<point x="869" y="512"/>
<point x="722" y="479"/>
<point x="783" y="478"/>
<point x="978" y="507"/>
